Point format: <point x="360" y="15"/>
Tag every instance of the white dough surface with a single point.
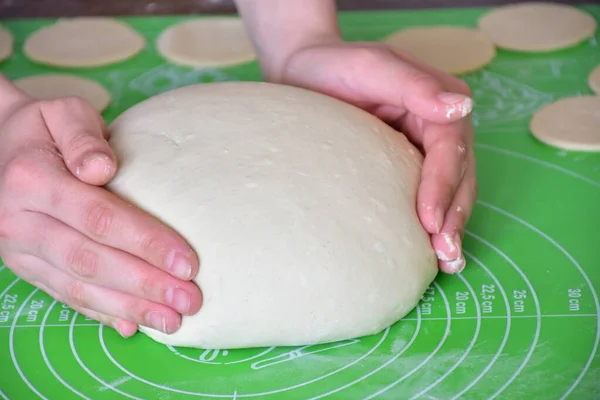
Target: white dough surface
<point x="301" y="208"/>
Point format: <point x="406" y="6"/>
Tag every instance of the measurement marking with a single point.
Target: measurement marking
<point x="536" y="301"/>
<point x="13" y="357"/>
<point x="47" y="361"/>
<point x="506" y="330"/>
<point x="430" y="356"/>
<point x="469" y="348"/>
<point x="581" y="271"/>
<point x="504" y="317"/>
<point x="50" y="325"/>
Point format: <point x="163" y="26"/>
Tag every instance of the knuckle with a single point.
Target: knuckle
<point x="19" y="174"/>
<point x="83" y="263"/>
<point x="98" y="218"/>
<point x="146" y="285"/>
<point x="419" y="78"/>
<point x="153" y="243"/>
<point x="75" y="294"/>
<point x="81" y="141"/>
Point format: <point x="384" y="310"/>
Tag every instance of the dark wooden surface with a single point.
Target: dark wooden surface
<point x="68" y="8"/>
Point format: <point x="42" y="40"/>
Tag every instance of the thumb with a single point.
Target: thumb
<point x="80" y="135"/>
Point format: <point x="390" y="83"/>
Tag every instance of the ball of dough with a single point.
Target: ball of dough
<point x="207" y="42"/>
<point x="301" y="208"/>
<point x="52" y="86"/>
<point x="452" y="49"/>
<point x="6" y="44"/>
<point x="594" y="80"/>
<point x="83" y="42"/>
<point x="537" y="27"/>
<point x="572" y="123"/>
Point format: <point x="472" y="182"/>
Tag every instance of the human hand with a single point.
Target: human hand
<point x="429" y="106"/>
<point x="64" y="233"/>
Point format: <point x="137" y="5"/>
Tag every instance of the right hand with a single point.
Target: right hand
<point x="64" y="233"/>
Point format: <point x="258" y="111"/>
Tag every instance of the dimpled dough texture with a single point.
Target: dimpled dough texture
<point x="301" y="208"/>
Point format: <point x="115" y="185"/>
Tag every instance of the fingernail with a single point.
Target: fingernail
<point x="457" y="103"/>
<point x="457" y="265"/>
<point x="439" y="219"/>
<point x="98" y="163"/>
<point x="117" y="328"/>
<point x="158" y="321"/>
<point x="179" y="265"/>
<point x="179" y="299"/>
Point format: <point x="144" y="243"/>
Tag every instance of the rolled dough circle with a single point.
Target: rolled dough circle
<point x="594" y="80"/>
<point x="46" y="87"/>
<point x="83" y="42"/>
<point x="452" y="49"/>
<point x="6" y="43"/>
<point x="206" y="42"/>
<point x="572" y="123"/>
<point x="301" y="208"/>
<point x="537" y="27"/>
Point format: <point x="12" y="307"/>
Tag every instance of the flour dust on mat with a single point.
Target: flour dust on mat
<point x="52" y="86"/>
<point x="594" y="80"/>
<point x="453" y="49"/>
<point x="537" y="27"/>
<point x="301" y="208"/>
<point x="572" y="123"/>
<point x="207" y="42"/>
<point x="84" y="42"/>
<point x="6" y="43"/>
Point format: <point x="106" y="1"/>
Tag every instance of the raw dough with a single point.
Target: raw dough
<point x="594" y="80"/>
<point x="537" y="27"/>
<point x="207" y="42"/>
<point x="452" y="49"/>
<point x="572" y="123"/>
<point x="83" y="42"/>
<point x="6" y="44"/>
<point x="301" y="208"/>
<point x="44" y="87"/>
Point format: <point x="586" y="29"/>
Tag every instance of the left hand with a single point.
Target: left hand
<point x="429" y="106"/>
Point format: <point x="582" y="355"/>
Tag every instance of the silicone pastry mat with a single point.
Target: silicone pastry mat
<point x="522" y="321"/>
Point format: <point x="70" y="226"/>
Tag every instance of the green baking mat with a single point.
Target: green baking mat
<point x="521" y="322"/>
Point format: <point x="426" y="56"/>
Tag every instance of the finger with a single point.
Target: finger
<point x="80" y="295"/>
<point x="88" y="261"/>
<point x="443" y="169"/>
<point x="109" y="220"/>
<point x="448" y="244"/>
<point x="125" y="328"/>
<point x="400" y="84"/>
<point x="80" y="135"/>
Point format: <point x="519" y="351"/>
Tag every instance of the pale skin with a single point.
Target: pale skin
<point x="63" y="232"/>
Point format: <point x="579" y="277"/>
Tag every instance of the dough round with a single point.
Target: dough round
<point x="6" y="44"/>
<point x="594" y="80"/>
<point x="207" y="42"/>
<point x="537" y="27"/>
<point x="452" y="49"/>
<point x="83" y="42"/>
<point x="45" y="87"/>
<point x="572" y="123"/>
<point x="301" y="208"/>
